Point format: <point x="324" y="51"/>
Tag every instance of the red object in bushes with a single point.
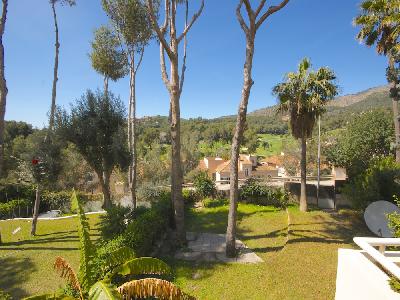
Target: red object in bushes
<point x="35" y="161"/>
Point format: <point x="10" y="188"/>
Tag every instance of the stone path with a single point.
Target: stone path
<point x="210" y="247"/>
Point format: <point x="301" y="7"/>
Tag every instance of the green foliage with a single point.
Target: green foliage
<point x="151" y="193"/>
<point x="102" y="261"/>
<point x="189" y="196"/>
<point x="204" y="185"/>
<point x="119" y="257"/>
<point x="378" y="182"/>
<point x="148" y="228"/>
<point x="4" y="296"/>
<point x="304" y="95"/>
<point x="115" y="221"/>
<point x="55" y="296"/>
<point x="252" y="191"/>
<point x="394" y="284"/>
<point x="103" y="291"/>
<point x="107" y="57"/>
<point x="86" y="272"/>
<point x="9" y="209"/>
<point x="367" y="136"/>
<point x="394" y="219"/>
<point x="143" y="265"/>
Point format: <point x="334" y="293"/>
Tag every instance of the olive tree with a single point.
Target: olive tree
<point x="174" y="84"/>
<point x="96" y="126"/>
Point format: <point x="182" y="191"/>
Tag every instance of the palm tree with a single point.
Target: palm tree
<point x="303" y="95"/>
<point x="380" y="26"/>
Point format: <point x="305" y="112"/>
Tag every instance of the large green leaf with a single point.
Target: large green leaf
<point x="143" y="265"/>
<point x="103" y="291"/>
<point x="119" y="257"/>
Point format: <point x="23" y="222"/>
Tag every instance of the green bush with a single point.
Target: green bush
<point x="189" y="196"/>
<point x="150" y="193"/>
<point x="5" y="296"/>
<point x="378" y="182"/>
<point x="9" y="191"/>
<point x="254" y="192"/>
<point x="115" y="221"/>
<point x="149" y="227"/>
<point x="204" y="185"/>
<point x="103" y="253"/>
<point x="210" y="203"/>
<point x="14" y="208"/>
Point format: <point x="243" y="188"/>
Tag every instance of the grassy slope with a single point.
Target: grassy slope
<point x="26" y="264"/>
<point x="303" y="268"/>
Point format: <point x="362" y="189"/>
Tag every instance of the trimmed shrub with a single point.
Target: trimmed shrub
<point x="254" y="192"/>
<point x="204" y="185"/>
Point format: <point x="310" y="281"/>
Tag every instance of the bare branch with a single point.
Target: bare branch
<point x="260" y="7"/>
<point x="140" y="59"/>
<point x="184" y="50"/>
<point x="249" y="10"/>
<point x="3" y="17"/>
<point x="271" y="10"/>
<point x="240" y="18"/>
<point x="157" y="29"/>
<point x="194" y="18"/>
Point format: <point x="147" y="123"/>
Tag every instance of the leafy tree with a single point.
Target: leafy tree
<point x="132" y="25"/>
<point x="255" y="19"/>
<point x="251" y="141"/>
<point x="174" y="86"/>
<point x="3" y="85"/>
<point x="303" y="95"/>
<point x="367" y="136"/>
<point x="380" y="26"/>
<point x="96" y="126"/>
<point x="204" y="185"/>
<point x="57" y="48"/>
<point x="107" y="57"/>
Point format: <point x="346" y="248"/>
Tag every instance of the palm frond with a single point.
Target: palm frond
<point x="85" y="273"/>
<point x="103" y="291"/>
<point x="119" y="257"/>
<point x="66" y="272"/>
<point x="152" y="287"/>
<point x="143" y="266"/>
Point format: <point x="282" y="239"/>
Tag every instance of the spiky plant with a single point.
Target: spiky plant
<point x="304" y="95"/>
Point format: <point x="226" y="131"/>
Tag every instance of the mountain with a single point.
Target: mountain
<point x="368" y="99"/>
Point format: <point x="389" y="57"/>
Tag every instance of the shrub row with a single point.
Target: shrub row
<point x="15" y="208"/>
<point x="254" y="192"/>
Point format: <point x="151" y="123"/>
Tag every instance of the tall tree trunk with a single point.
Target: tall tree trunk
<point x="132" y="131"/>
<point x="303" y="171"/>
<point x="36" y="210"/>
<point x="106" y="85"/>
<point x="237" y="140"/>
<point x="104" y="179"/>
<point x="55" y="75"/>
<point x="395" y="105"/>
<point x="3" y="86"/>
<point x="175" y="123"/>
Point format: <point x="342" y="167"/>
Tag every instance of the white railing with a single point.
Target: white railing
<point x="368" y="244"/>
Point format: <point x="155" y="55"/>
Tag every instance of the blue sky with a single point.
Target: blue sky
<point x="321" y="30"/>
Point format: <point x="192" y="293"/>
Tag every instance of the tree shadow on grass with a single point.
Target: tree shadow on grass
<point x="14" y="271"/>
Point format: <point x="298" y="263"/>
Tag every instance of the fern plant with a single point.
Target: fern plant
<point x="120" y="262"/>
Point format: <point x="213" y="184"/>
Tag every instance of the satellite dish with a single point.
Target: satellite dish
<point x="375" y="217"/>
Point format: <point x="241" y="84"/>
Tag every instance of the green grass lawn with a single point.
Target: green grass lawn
<point x="302" y="267"/>
<point x="299" y="262"/>
<point x="26" y="263"/>
<point x="276" y="143"/>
